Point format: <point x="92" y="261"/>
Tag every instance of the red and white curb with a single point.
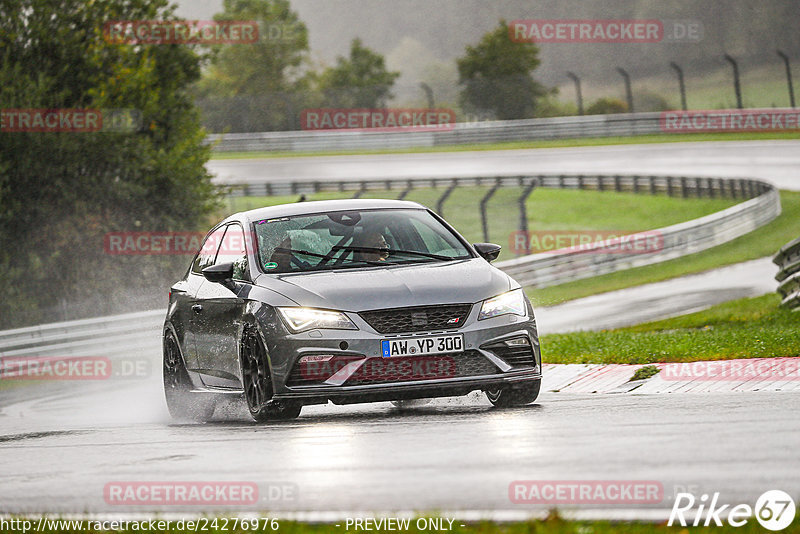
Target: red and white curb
<point x="750" y="374"/>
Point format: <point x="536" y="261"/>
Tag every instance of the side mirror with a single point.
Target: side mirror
<point x="488" y="251"/>
<point x="221" y="273"/>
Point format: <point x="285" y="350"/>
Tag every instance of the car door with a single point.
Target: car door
<point x="187" y="295"/>
<point x="218" y="321"/>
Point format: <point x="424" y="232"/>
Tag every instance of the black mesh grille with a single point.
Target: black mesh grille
<point x="417" y="319"/>
<point x="309" y="373"/>
<point x="515" y="356"/>
<point x="437" y="367"/>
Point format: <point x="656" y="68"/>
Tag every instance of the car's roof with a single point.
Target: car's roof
<point x="323" y="206"/>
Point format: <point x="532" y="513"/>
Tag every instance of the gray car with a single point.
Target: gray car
<point x="344" y="301"/>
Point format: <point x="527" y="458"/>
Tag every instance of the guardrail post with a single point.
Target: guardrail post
<point x="443" y="198"/>
<point x="523" y="212"/>
<point x="669" y="186"/>
<point x="484" y="201"/>
<point x="600" y="185"/>
<point x="617" y="186"/>
<point x="684" y="192"/>
<point x="635" y="184"/>
<point x="580" y="181"/>
<point x="653" y="185"/>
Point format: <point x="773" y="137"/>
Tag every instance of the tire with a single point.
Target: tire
<point x="181" y="403"/>
<point x="519" y="395"/>
<point x="257" y="382"/>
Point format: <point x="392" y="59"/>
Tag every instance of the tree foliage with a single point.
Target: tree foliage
<point x="360" y="81"/>
<point x="257" y="86"/>
<point x="497" y="76"/>
<point x="61" y="192"/>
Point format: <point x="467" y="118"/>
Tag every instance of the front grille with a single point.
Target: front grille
<point x="420" y="368"/>
<point x="417" y="319"/>
<point x="309" y="373"/>
<point x="515" y="356"/>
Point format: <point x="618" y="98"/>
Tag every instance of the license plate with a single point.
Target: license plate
<point x="422" y="345"/>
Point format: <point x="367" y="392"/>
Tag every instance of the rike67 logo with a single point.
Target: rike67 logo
<point x="774" y="510"/>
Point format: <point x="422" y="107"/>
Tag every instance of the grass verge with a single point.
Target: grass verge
<point x="762" y="242"/>
<point x="512" y="145"/>
<point x="745" y="328"/>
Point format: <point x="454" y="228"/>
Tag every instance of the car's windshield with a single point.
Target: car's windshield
<point x="358" y="238"/>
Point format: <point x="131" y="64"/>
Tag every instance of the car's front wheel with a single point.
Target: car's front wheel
<point x="181" y="403"/>
<point x="516" y="395"/>
<point x="257" y="382"/>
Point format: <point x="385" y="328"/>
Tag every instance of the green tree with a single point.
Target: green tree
<point x="257" y="86"/>
<point x="61" y="192"/>
<point x="606" y="106"/>
<point x="360" y="81"/>
<point x="496" y="75"/>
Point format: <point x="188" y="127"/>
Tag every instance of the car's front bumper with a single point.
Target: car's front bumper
<point x="364" y="345"/>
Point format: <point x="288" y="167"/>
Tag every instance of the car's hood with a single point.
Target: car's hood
<point x="459" y="281"/>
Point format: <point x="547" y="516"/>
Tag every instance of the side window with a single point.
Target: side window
<point x="208" y="251"/>
<point x="233" y="251"/>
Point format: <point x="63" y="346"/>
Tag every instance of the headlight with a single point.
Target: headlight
<point x="512" y="302"/>
<point x="301" y="319"/>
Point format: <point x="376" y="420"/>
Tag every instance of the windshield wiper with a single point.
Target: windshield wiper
<point x="323" y="256"/>
<point x="391" y="251"/>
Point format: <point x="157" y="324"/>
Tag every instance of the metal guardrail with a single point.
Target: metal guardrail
<point x="137" y="332"/>
<point x="788" y="260"/>
<point x="617" y="125"/>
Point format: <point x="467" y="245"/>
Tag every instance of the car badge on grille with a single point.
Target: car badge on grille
<point x="454" y="320"/>
<point x="419" y="319"/>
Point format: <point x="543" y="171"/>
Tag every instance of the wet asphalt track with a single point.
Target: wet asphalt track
<point x="458" y="455"/>
<point x="60" y="444"/>
<point x="777" y="161"/>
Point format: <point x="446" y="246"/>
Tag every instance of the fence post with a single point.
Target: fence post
<point x="484" y="201"/>
<point x="406" y="191"/>
<point x="684" y="192"/>
<point x="617" y="186"/>
<point x="669" y="186"/>
<point x="361" y="191"/>
<point x="653" y="185"/>
<point x="523" y="213"/>
<point x="443" y="198"/>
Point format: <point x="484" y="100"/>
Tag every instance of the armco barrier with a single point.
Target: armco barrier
<point x="617" y="125"/>
<point x="140" y="332"/>
<point x="788" y="260"/>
